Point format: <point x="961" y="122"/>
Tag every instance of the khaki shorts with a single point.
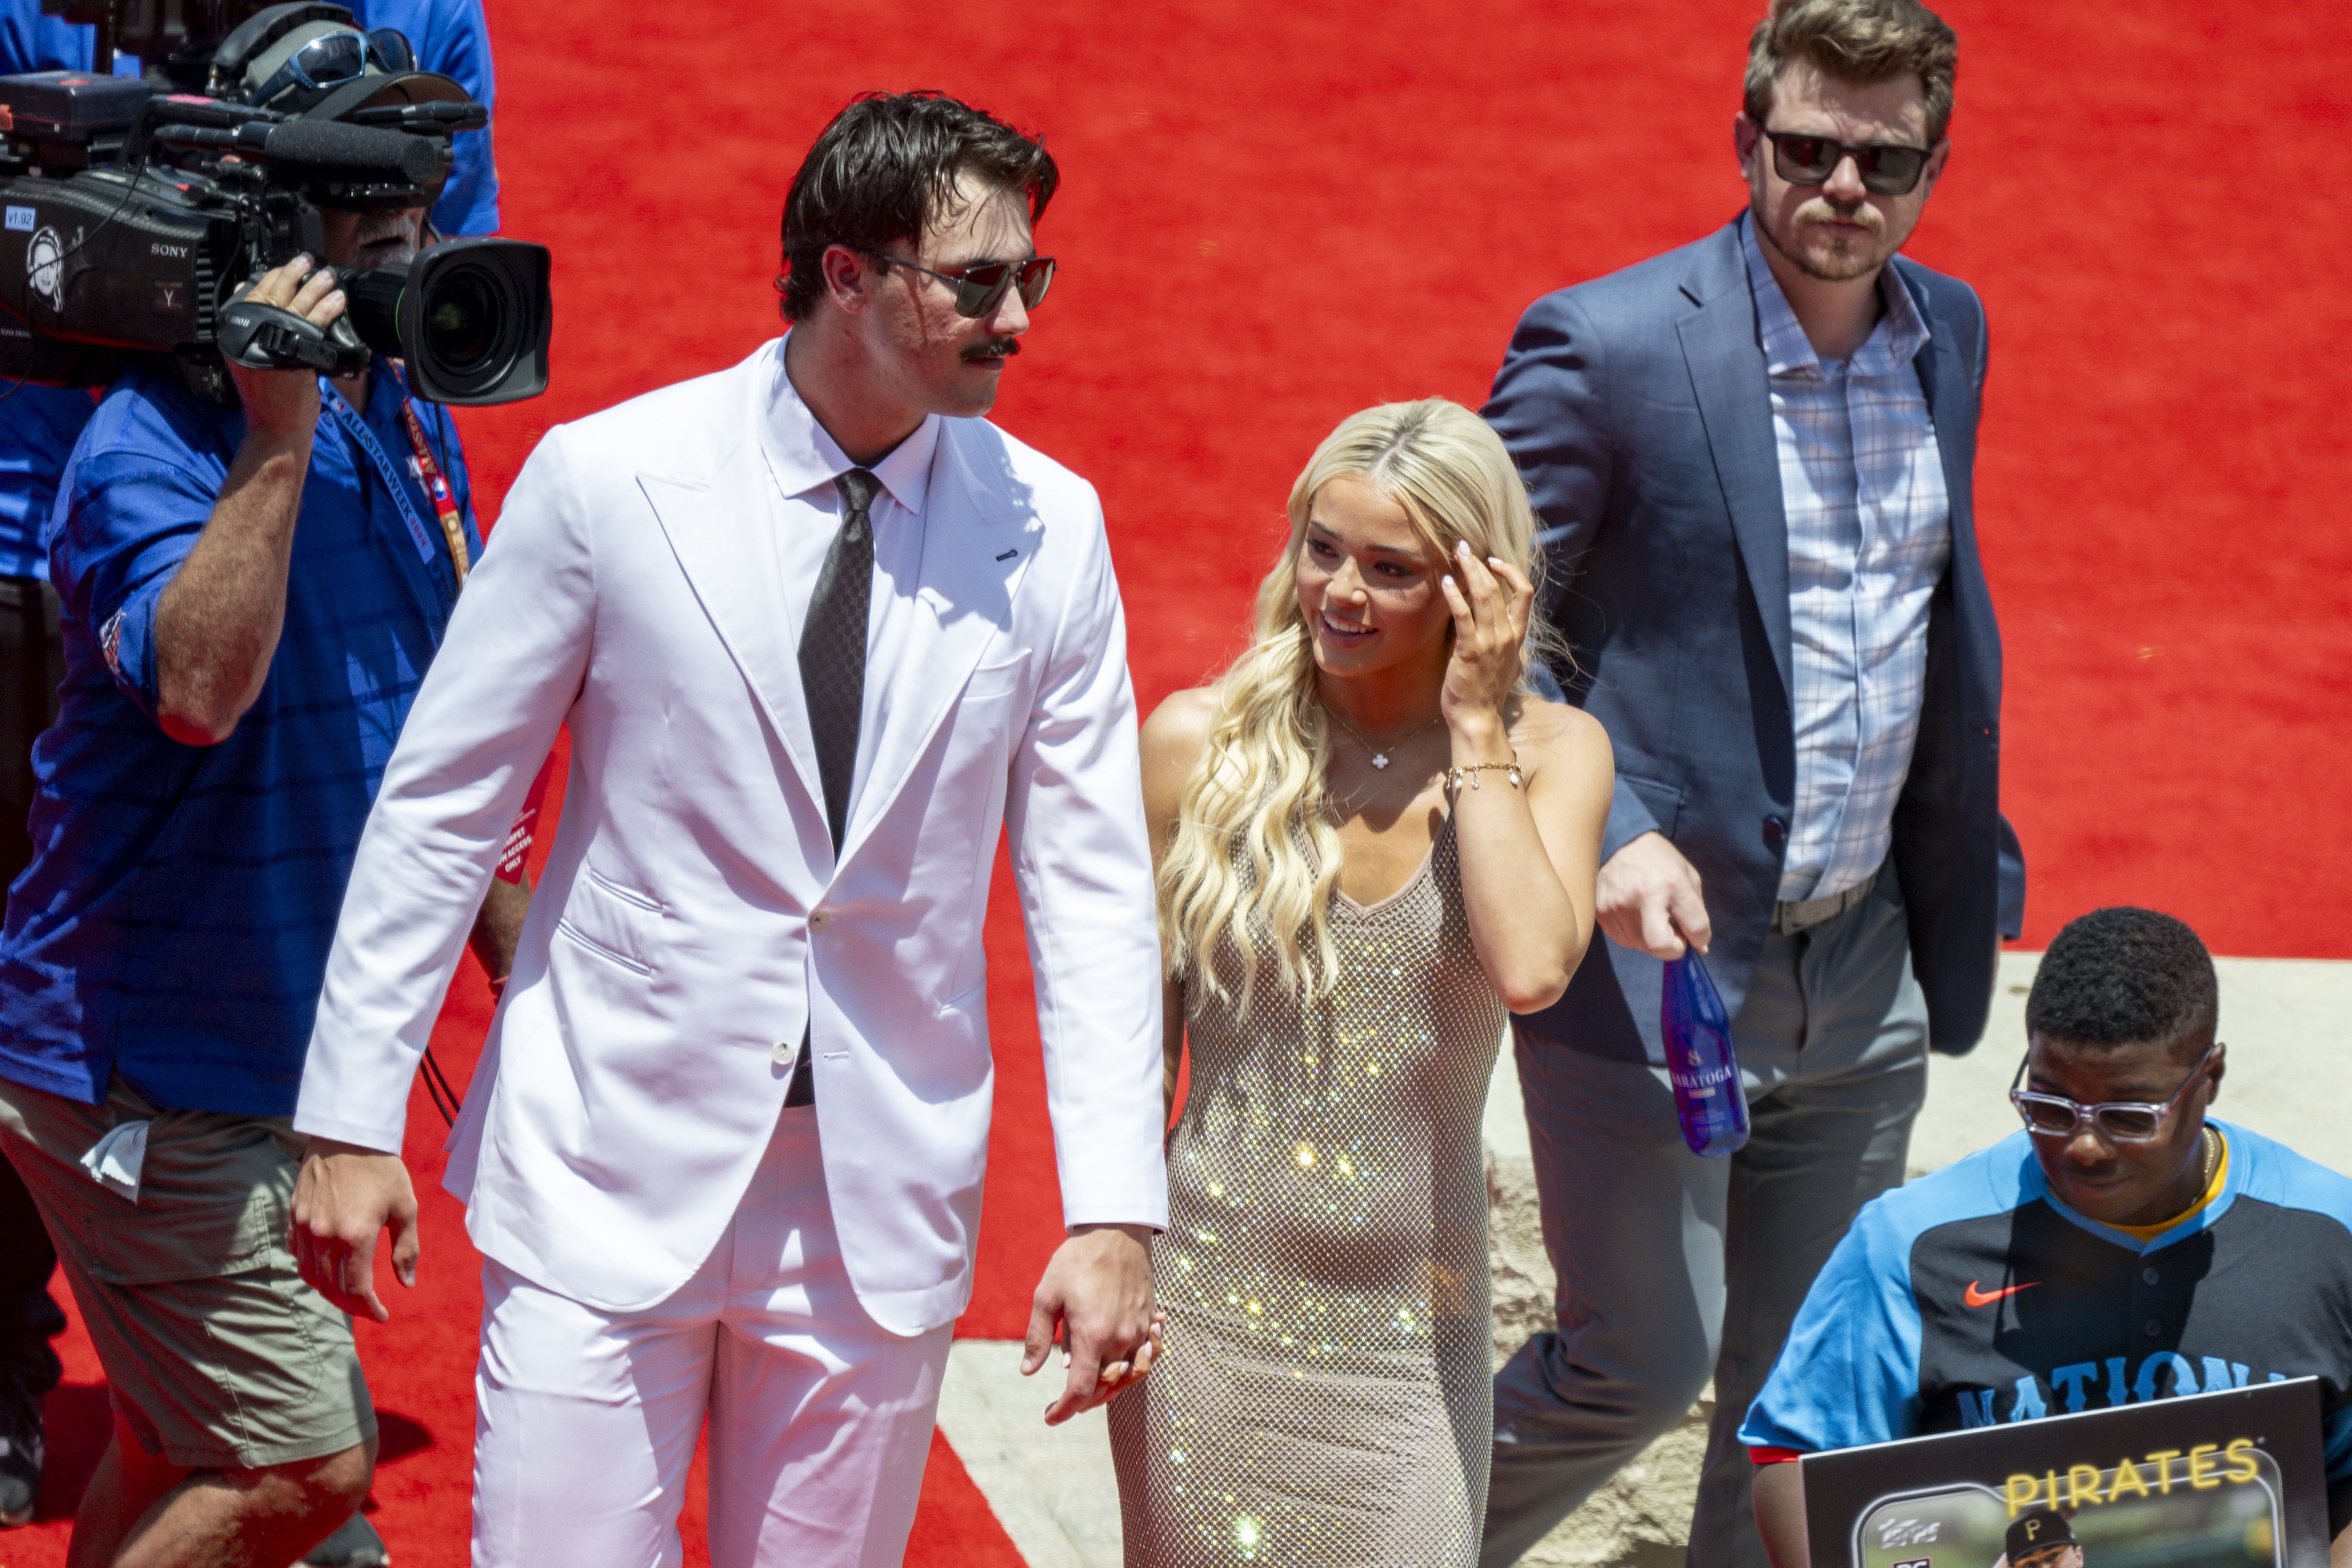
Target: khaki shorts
<point x="218" y="1355"/>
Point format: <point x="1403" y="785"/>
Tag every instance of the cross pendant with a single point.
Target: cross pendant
<point x="1379" y="760"/>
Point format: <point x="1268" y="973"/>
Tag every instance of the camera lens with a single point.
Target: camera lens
<point x="472" y="326"/>
<point x="461" y="322"/>
<point x="471" y="317"/>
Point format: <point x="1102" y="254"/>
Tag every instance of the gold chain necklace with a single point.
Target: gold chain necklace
<point x="1381" y="755"/>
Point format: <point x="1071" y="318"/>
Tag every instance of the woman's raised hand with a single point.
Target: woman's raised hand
<point x="1491" y="600"/>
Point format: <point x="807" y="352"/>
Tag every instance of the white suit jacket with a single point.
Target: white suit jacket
<point x="692" y="919"/>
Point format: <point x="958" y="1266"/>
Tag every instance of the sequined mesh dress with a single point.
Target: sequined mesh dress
<point x="1325" y="1398"/>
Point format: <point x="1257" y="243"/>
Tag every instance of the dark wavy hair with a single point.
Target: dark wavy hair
<point x="2125" y="977"/>
<point x="884" y="170"/>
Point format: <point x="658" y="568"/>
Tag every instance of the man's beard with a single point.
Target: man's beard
<point x="1828" y="263"/>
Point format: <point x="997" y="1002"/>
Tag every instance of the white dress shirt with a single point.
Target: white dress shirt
<point x="806" y="463"/>
<point x="1869" y="520"/>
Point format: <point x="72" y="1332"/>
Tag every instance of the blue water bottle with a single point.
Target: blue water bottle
<point x="1708" y="1099"/>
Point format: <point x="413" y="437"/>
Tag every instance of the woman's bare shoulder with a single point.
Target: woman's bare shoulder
<point x="1177" y="734"/>
<point x="1546" y="731"/>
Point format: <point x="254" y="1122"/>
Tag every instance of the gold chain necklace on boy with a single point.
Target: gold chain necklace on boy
<point x="1380" y="754"/>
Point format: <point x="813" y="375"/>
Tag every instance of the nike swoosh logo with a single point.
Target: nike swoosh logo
<point x="1976" y="1298"/>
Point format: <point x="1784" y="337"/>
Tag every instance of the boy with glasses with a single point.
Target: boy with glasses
<point x="2119" y="1249"/>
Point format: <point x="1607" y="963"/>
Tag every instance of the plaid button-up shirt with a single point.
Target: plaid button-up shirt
<point x="1861" y="485"/>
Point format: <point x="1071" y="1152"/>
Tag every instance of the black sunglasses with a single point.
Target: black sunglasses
<point x="2118" y="1121"/>
<point x="981" y="287"/>
<point x="1887" y="168"/>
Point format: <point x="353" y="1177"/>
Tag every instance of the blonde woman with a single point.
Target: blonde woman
<point x="1373" y="843"/>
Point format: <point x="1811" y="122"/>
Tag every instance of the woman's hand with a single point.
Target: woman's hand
<point x="1491" y="600"/>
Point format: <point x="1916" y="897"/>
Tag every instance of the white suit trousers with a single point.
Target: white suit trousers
<point x="820" y="1419"/>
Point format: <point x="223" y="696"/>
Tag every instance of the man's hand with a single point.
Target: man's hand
<point x="1097" y="1292"/>
<point x="345" y="1196"/>
<point x="285" y="403"/>
<point x="1649" y="899"/>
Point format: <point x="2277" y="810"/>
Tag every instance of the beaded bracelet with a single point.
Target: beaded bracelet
<point x="1453" y="776"/>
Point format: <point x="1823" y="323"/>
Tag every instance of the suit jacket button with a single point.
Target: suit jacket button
<point x="783" y="1051"/>
<point x="1776" y="830"/>
<point x="819" y="918"/>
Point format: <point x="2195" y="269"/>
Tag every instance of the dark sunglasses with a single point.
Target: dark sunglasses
<point x="2118" y="1121"/>
<point x="331" y="59"/>
<point x="981" y="287"/>
<point x="1887" y="168"/>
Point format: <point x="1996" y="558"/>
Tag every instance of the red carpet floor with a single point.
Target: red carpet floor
<point x="1275" y="215"/>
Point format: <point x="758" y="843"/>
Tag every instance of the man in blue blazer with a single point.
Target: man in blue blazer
<point x="1752" y="457"/>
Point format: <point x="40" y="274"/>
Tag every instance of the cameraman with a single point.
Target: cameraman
<point x="249" y="602"/>
<point x="38" y="426"/>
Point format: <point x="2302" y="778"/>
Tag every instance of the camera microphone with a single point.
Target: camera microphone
<point x="331" y="149"/>
<point x="325" y="149"/>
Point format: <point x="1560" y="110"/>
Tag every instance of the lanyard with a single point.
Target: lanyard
<point x="453" y="527"/>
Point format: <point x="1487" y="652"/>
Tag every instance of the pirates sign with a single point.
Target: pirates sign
<point x="2231" y="1479"/>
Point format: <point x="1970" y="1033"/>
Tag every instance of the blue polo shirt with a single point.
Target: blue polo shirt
<point x="38" y="424"/>
<point x="174" y="922"/>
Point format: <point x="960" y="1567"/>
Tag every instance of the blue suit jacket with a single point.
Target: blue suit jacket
<point x="1639" y="411"/>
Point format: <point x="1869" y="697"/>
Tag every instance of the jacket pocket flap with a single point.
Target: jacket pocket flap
<point x="614" y="922"/>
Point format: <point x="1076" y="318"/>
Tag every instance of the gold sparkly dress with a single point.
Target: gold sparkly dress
<point x="1325" y="1397"/>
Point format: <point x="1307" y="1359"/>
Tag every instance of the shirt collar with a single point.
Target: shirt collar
<point x="1894" y="343"/>
<point x="2207" y="1212"/>
<point x="807" y="457"/>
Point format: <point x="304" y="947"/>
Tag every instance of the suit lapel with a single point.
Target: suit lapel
<point x="723" y="532"/>
<point x="1735" y="403"/>
<point x="976" y="545"/>
<point x="1944" y="379"/>
<point x="1945" y="382"/>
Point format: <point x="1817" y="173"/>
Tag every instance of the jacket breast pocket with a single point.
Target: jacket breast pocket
<point x="611" y="921"/>
<point x="992" y="682"/>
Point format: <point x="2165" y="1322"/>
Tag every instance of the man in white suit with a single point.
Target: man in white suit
<point x="817" y="628"/>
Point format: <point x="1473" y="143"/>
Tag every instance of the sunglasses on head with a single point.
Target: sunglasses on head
<point x="1887" y="168"/>
<point x="981" y="287"/>
<point x="331" y="59"/>
<point x="2118" y="1121"/>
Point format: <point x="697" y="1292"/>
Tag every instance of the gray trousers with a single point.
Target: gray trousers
<point x="1673" y="1267"/>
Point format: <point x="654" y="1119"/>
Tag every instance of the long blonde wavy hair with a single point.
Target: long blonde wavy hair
<point x="1256" y="847"/>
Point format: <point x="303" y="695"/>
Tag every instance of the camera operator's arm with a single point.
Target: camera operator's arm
<point x="217" y="622"/>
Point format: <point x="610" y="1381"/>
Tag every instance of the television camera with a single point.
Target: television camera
<point x="134" y="210"/>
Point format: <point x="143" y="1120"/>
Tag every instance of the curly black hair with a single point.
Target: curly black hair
<point x="2125" y="977"/>
<point x="882" y="170"/>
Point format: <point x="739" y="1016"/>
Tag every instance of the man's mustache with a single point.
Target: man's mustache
<point x="1860" y="212"/>
<point x="994" y="349"/>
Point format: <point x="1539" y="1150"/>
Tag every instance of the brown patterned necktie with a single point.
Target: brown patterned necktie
<point x="833" y="646"/>
<point x="833" y="680"/>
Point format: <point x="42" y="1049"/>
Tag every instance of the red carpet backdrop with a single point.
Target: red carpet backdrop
<point x="1275" y="214"/>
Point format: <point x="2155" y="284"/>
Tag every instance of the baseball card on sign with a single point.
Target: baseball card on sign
<point x="2232" y="1480"/>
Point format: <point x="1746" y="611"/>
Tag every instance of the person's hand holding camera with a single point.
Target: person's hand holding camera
<point x="283" y="404"/>
<point x="218" y="625"/>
